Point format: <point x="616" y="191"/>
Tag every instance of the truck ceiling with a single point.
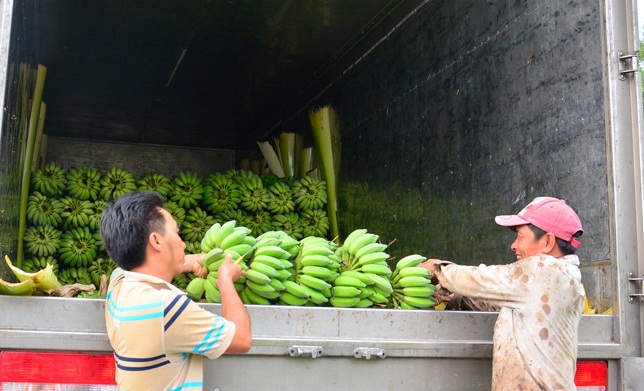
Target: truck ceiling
<point x="203" y="73"/>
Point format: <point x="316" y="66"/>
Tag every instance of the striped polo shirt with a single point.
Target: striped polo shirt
<point x="159" y="335"/>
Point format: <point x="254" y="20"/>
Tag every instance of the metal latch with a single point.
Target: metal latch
<point x="368" y="352"/>
<point x="625" y="66"/>
<point x="298" y="350"/>
<point x="638" y="282"/>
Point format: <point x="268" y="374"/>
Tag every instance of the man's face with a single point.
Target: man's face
<point x="175" y="246"/>
<point x="525" y="245"/>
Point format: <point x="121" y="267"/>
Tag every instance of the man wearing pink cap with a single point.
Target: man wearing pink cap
<point x="539" y="298"/>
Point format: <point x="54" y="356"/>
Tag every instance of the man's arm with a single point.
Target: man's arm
<point x="232" y="307"/>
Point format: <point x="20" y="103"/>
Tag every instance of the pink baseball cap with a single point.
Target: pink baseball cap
<point x="549" y="214"/>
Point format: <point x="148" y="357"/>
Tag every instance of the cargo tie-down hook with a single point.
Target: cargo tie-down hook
<point x="368" y="353"/>
<point x="298" y="350"/>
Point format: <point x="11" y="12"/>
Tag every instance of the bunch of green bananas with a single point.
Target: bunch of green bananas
<point x="252" y="194"/>
<point x="83" y="183"/>
<point x="239" y="175"/>
<point x="309" y="194"/>
<point x="208" y="288"/>
<point x="289" y="223"/>
<point x="269" y="268"/>
<point x="316" y="268"/>
<point x="95" y="218"/>
<point x="155" y="182"/>
<point x="75" y="212"/>
<point x="77" y="247"/>
<point x="195" y="225"/>
<point x="116" y="182"/>
<point x="412" y="285"/>
<point x="187" y="190"/>
<point x="42" y="240"/>
<point x="193" y="248"/>
<point x="181" y="281"/>
<point x="221" y="193"/>
<point x="98" y="267"/>
<point x="280" y="199"/>
<point x="258" y="222"/>
<point x="29" y="283"/>
<point x="35" y="264"/>
<point x="177" y="212"/>
<point x="75" y="275"/>
<point x="364" y="258"/>
<point x="228" y="237"/>
<point x="49" y="180"/>
<point x="43" y="210"/>
<point x="315" y="222"/>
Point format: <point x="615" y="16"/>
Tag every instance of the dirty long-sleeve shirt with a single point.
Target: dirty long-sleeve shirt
<point x="540" y="301"/>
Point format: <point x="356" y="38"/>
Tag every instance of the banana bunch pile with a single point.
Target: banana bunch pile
<point x="269" y="268"/>
<point x="29" y="283"/>
<point x="315" y="269"/>
<point x="412" y="285"/>
<point x="365" y="271"/>
<point x="116" y="182"/>
<point x="218" y="241"/>
<point x="187" y="190"/>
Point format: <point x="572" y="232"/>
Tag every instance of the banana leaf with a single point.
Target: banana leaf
<point x="271" y="158"/>
<point x="31" y="141"/>
<point x="325" y="126"/>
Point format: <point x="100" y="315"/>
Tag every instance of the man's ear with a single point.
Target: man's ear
<point x="155" y="240"/>
<point x="551" y="242"/>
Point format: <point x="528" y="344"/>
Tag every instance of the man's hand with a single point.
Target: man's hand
<point x="442" y="295"/>
<point x="229" y="271"/>
<point x="192" y="263"/>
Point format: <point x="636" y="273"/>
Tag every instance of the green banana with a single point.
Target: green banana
<point x="272" y="251"/>
<point x="318" y="271"/>
<point x="233" y="239"/>
<point x="362" y="241"/>
<point x="370" y="249"/>
<point x="372" y="258"/>
<point x="211" y="292"/>
<point x="255" y="298"/>
<point x="264" y="269"/>
<point x="313" y="282"/>
<point x="316" y="297"/>
<point x="348" y="241"/>
<point x="344" y="302"/>
<point x="196" y="289"/>
<point x="364" y="303"/>
<point x="356" y="274"/>
<point x="222" y="233"/>
<point x="295" y="289"/>
<point x="316" y="260"/>
<point x="257" y="277"/>
<point x="409" y="261"/>
<point x="419" y="291"/>
<point x="260" y="288"/>
<point x="277" y="284"/>
<point x="381" y="283"/>
<point x="291" y="299"/>
<point x="343" y="280"/>
<point x="345" y="291"/>
<point x="419" y="302"/>
<point x="382" y="270"/>
<point x="269" y="261"/>
<point x="410" y="281"/>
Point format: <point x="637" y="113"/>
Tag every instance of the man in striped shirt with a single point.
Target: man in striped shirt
<point x="158" y="334"/>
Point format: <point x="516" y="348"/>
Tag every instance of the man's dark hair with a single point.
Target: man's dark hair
<point x="126" y="224"/>
<point x="565" y="247"/>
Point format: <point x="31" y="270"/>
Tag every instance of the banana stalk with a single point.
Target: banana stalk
<point x="325" y="126"/>
<point x="31" y="141"/>
<point x="306" y="160"/>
